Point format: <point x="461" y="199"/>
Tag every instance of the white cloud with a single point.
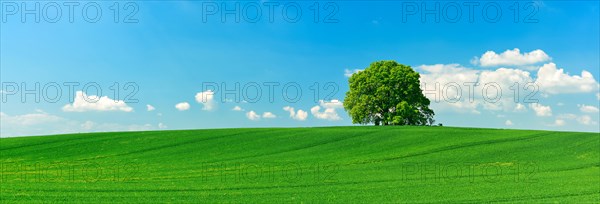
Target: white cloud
<point x="299" y="115"/>
<point x="182" y="106"/>
<point x="268" y="115"/>
<point x="237" y="108"/>
<point x="541" y="110"/>
<point x="206" y="98"/>
<point x="549" y="79"/>
<point x="567" y="116"/>
<point x="451" y="76"/>
<point x="504" y="78"/>
<point x="520" y="108"/>
<point x="42" y="123"/>
<point x="162" y="126"/>
<point x="443" y="74"/>
<point x="552" y="80"/>
<point x="330" y="110"/>
<point x="511" y="57"/>
<point x="586" y="120"/>
<point x="587" y="109"/>
<point x="255" y="116"/>
<point x="31" y="119"/>
<point x="252" y="115"/>
<point x="90" y="126"/>
<point x="333" y="104"/>
<point x="83" y="103"/>
<point x="87" y="125"/>
<point x="150" y="107"/>
<point x="559" y="122"/>
<point x="446" y="73"/>
<point x="349" y="73"/>
<point x="508" y="123"/>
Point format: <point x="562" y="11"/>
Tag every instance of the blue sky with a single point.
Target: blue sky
<point x="171" y="51"/>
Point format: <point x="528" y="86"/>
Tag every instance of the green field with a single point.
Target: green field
<point x="304" y="165"/>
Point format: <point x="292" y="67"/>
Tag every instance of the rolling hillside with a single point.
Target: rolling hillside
<point x="304" y="165"/>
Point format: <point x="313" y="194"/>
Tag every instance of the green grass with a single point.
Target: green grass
<point x="304" y="165"/>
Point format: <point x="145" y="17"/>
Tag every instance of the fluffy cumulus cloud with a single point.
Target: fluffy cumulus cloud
<point x="508" y="123"/>
<point x="296" y="115"/>
<point x="505" y="77"/>
<point x="206" y="98"/>
<point x="541" y="110"/>
<point x="586" y="120"/>
<point x="182" y="106"/>
<point x="83" y="103"/>
<point x="31" y="119"/>
<point x="520" y="108"/>
<point x="511" y="58"/>
<point x="497" y="84"/>
<point x="443" y="84"/>
<point x="90" y="126"/>
<point x="237" y="108"/>
<point x="549" y="80"/>
<point x="349" y="73"/>
<point x="150" y="107"/>
<point x="568" y="116"/>
<point x="460" y="89"/>
<point x="447" y="73"/>
<point x="587" y="108"/>
<point x="42" y="123"/>
<point x="559" y="122"/>
<point x="268" y="115"/>
<point x="552" y="80"/>
<point x="252" y="115"/>
<point x="435" y="77"/>
<point x="562" y="119"/>
<point x="329" y="110"/>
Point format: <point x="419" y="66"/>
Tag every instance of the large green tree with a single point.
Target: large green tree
<point x="387" y="93"/>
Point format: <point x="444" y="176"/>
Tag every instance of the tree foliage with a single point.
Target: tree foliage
<point x="387" y="93"/>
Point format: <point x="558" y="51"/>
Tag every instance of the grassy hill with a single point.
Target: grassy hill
<point x="294" y="165"/>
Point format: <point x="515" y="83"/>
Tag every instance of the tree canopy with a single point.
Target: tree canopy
<point x="387" y="93"/>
